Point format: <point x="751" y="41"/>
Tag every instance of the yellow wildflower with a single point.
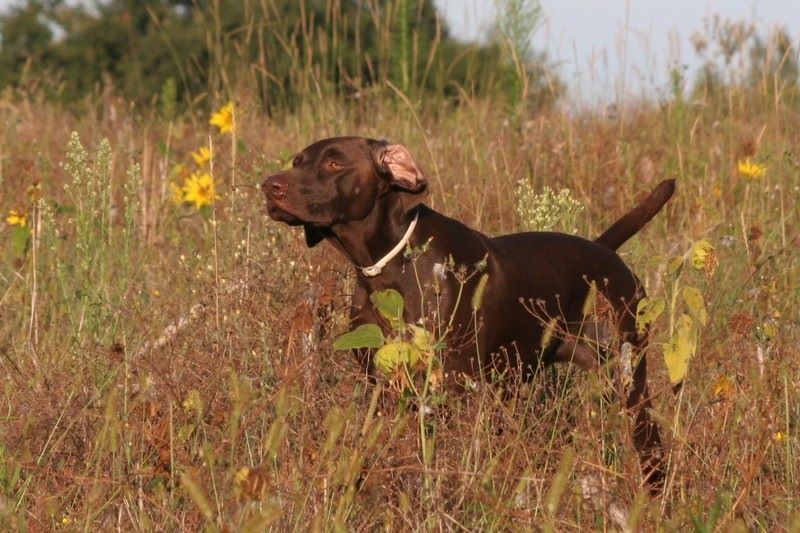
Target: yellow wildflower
<point x="224" y="119"/>
<point x="780" y="438"/>
<point x="199" y="190"/>
<point x="176" y="193"/>
<point x="749" y="169"/>
<point x="17" y="218"/>
<point x="202" y="156"/>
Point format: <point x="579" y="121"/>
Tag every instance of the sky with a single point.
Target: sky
<point x="609" y="50"/>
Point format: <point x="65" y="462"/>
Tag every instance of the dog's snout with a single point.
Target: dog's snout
<point x="275" y="187"/>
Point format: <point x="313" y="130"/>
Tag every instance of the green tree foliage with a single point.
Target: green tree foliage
<point x="282" y="49"/>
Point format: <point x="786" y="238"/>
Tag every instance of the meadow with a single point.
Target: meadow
<point x="167" y="350"/>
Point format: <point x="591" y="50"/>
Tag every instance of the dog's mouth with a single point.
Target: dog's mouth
<point x="281" y="212"/>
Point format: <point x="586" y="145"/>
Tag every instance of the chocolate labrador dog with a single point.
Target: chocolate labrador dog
<point x="365" y="197"/>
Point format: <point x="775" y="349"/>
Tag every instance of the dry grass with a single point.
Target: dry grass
<point x="101" y="429"/>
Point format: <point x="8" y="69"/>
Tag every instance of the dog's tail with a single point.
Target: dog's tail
<point x="627" y="226"/>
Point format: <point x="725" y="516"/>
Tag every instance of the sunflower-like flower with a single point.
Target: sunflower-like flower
<point x="750" y="169"/>
<point x="199" y="190"/>
<point x="224" y="119"/>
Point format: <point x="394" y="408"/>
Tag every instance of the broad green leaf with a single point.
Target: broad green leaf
<point x="680" y="349"/>
<point x="389" y="303"/>
<point x="364" y="336"/>
<point x="647" y="311"/>
<point x="675" y="264"/>
<point x="696" y="304"/>
<point x="477" y="296"/>
<point x="394" y="354"/>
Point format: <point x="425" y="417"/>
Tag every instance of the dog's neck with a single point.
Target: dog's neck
<point x="366" y="242"/>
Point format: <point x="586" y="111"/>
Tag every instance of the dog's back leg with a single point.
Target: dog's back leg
<point x="646" y="436"/>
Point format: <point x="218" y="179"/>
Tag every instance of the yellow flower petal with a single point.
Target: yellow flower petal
<point x="224" y="118"/>
<point x="17" y="218"/>
<point x="749" y="169"/>
<point x="202" y="156"/>
<point x="176" y="193"/>
<point x="199" y="190"/>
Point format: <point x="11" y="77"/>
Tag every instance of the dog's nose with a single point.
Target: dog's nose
<point x="274" y="188"/>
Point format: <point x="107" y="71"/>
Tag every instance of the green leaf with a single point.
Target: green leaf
<point x="680" y="349"/>
<point x="675" y="264"/>
<point x="647" y="311"/>
<point x="394" y="354"/>
<point x="20" y="237"/>
<point x="389" y="303"/>
<point x="364" y="336"/>
<point x="696" y="304"/>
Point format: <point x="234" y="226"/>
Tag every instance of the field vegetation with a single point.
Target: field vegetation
<point x="167" y="350"/>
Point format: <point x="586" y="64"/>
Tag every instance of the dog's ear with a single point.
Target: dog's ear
<point x="313" y="235"/>
<point x="396" y="160"/>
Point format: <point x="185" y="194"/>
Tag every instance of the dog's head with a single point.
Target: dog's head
<point x="340" y="180"/>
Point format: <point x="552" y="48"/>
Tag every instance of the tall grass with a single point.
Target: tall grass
<point x="245" y="418"/>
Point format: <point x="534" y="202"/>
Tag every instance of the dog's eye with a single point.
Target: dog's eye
<point x="334" y="165"/>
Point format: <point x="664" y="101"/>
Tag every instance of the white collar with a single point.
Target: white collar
<point x="374" y="270"/>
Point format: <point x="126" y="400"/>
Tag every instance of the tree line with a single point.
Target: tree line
<point x="284" y="50"/>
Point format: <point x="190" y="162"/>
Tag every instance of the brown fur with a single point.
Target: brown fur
<point x="360" y="194"/>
